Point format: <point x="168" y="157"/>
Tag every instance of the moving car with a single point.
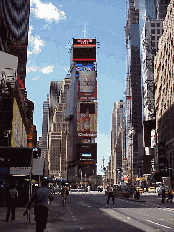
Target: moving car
<point x="166" y="190"/>
<point x="139" y="189"/>
<point x="151" y="190"/>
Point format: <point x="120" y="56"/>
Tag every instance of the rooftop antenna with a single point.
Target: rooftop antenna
<point x="84" y="30"/>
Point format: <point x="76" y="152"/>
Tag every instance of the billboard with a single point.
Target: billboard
<point x="87" y="119"/>
<point x="8" y="61"/>
<point x="84" y="67"/>
<point x="84" y="49"/>
<point x="87" y="85"/>
<point x="86" y="152"/>
<point x="19" y="135"/>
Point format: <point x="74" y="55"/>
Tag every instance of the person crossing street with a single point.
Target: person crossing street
<point x="110" y="194"/>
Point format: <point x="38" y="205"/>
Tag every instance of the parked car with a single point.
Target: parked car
<point x="151" y="190"/>
<point x="139" y="189"/>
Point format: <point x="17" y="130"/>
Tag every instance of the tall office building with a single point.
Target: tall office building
<point x="164" y="100"/>
<point x="58" y="135"/>
<point x="55" y="87"/>
<point x="117" y="153"/>
<point x="155" y="12"/>
<point x="133" y="91"/>
<point x="82" y="110"/>
<point x="44" y="144"/>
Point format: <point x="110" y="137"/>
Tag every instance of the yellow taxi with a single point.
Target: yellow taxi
<point x="151" y="190"/>
<point x="139" y="189"/>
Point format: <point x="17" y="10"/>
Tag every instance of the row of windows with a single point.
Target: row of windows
<point x="157" y="24"/>
<point x="157" y="31"/>
<point x="153" y="37"/>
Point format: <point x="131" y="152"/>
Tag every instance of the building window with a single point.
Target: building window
<point x="158" y="31"/>
<point x="158" y="24"/>
<point x="153" y="37"/>
<point x="153" y="44"/>
<point x="152" y="31"/>
<point x="152" y="24"/>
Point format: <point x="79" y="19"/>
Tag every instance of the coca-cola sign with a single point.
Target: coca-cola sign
<point x="87" y="119"/>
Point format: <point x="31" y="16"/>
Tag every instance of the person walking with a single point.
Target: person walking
<point x="110" y="194"/>
<point x="163" y="194"/>
<point x="64" y="194"/>
<point x="170" y="196"/>
<point x="11" y="200"/>
<point x="40" y="199"/>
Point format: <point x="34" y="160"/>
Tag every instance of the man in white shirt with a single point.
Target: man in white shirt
<point x="110" y="194"/>
<point x="40" y="199"/>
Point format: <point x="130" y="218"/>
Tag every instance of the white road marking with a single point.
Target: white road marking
<point x="159" y="224"/>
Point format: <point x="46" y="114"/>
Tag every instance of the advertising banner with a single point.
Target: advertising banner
<point x="84" y="49"/>
<point x="38" y="165"/>
<point x="84" y="67"/>
<point x="86" y="152"/>
<point x="19" y="135"/>
<point x="87" y="119"/>
<point x="23" y="171"/>
<point x="87" y="85"/>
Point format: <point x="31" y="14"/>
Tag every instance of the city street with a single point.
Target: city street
<point x="89" y="212"/>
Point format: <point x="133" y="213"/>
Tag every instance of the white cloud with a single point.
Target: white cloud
<point x="44" y="70"/>
<point x="35" y="78"/>
<point x="35" y="42"/>
<point x="31" y="69"/>
<point x="47" y="11"/>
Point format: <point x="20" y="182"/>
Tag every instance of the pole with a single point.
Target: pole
<point x="81" y="179"/>
<point x="85" y="181"/>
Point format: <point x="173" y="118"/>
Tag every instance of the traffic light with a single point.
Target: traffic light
<point x="36" y="152"/>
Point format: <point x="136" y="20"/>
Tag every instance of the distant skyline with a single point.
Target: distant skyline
<point x="52" y="26"/>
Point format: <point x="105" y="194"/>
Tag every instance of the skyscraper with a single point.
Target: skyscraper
<point x="133" y="90"/>
<point x="117" y="141"/>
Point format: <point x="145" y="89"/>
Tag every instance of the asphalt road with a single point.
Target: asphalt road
<point x="89" y="212"/>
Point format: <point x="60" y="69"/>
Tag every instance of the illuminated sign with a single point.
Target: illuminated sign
<point x="86" y="155"/>
<point x="81" y="67"/>
<point x="87" y="81"/>
<point x="88" y="152"/>
<point x="87" y="119"/>
<point x="83" y="42"/>
<point x="87" y="86"/>
<point x="84" y="49"/>
<point x="86" y="162"/>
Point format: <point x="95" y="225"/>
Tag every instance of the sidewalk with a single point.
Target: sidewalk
<point x="21" y="223"/>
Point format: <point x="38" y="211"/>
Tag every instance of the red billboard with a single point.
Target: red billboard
<point x="84" y="49"/>
<point x="87" y="85"/>
<point x="87" y="119"/>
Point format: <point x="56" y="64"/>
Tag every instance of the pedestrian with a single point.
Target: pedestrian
<point x="163" y="194"/>
<point x="110" y="194"/>
<point x="170" y="196"/>
<point x="40" y="199"/>
<point x="11" y="200"/>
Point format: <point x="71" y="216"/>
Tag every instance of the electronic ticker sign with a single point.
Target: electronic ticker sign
<point x="84" y="49"/>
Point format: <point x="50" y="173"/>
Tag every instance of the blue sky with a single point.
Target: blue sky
<point x="52" y="25"/>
